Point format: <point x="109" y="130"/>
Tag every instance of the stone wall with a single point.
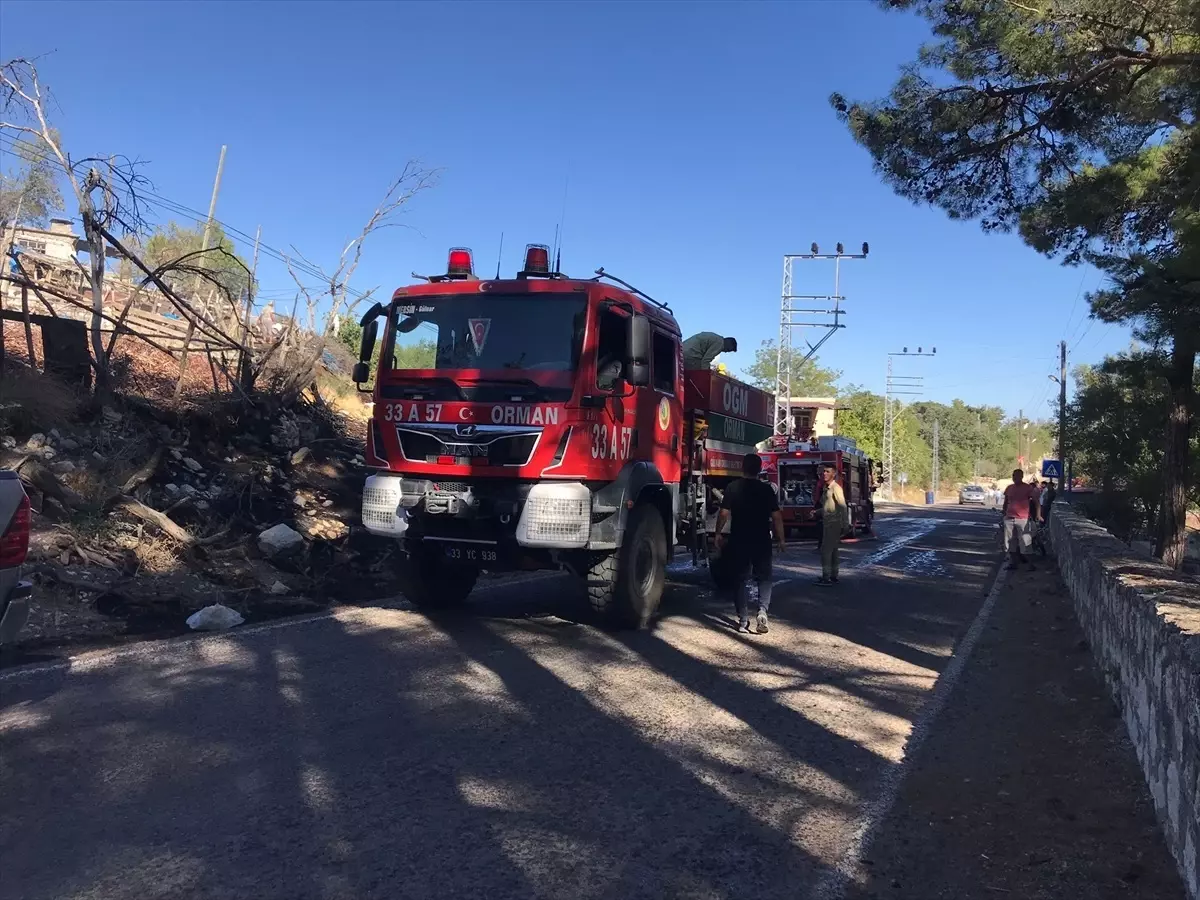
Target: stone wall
<point x="1143" y="623"/>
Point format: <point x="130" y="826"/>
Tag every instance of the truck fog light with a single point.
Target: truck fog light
<point x="556" y="515"/>
<point x="381" y="513"/>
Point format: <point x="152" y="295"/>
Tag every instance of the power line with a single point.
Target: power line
<point x="174" y="206"/>
<point x="1074" y="304"/>
<point x="156" y="200"/>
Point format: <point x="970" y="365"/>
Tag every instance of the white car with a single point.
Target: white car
<point x="14" y="544"/>
<point x="973" y="494"/>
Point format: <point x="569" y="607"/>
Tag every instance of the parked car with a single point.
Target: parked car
<point x="14" y="544"/>
<point x="972" y="493"/>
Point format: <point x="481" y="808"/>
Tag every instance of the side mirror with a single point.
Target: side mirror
<point x="361" y="373"/>
<point x="367" y="348"/>
<point x="637" y="350"/>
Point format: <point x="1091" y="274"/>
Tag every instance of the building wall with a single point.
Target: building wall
<point x="814" y="416"/>
<point x="57" y="243"/>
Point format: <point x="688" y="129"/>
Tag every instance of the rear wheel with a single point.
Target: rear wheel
<point x="626" y="587"/>
<point x="429" y="582"/>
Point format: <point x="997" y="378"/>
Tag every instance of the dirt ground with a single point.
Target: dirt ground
<point x="1028" y="786"/>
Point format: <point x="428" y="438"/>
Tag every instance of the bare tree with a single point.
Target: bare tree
<point x="325" y="305"/>
<point x="105" y="189"/>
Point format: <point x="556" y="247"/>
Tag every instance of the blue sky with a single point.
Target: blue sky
<point x="695" y="140"/>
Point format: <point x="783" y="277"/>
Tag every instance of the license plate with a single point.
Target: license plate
<point x="470" y="553"/>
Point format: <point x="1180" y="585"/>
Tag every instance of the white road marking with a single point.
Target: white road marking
<point x="833" y="885"/>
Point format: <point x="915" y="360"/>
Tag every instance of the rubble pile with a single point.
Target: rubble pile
<point x="257" y="506"/>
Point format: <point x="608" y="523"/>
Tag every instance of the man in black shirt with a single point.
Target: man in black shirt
<point x="751" y="510"/>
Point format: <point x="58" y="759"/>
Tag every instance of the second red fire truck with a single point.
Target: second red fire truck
<point x="793" y="467"/>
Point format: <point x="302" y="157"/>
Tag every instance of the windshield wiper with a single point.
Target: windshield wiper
<point x="413" y="388"/>
<point x="527" y="387"/>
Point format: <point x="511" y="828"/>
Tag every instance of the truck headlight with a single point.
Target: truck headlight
<point x="556" y="515"/>
<point x="381" y="512"/>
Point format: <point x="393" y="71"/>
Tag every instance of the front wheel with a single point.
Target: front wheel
<point x="430" y="583"/>
<point x="626" y="587"/>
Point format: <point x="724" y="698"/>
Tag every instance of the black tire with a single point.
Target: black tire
<point x="431" y="584"/>
<point x="626" y="587"/>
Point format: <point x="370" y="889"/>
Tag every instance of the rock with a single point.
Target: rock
<point x="63" y="467"/>
<point x="110" y="416"/>
<point x="54" y="435"/>
<point x="99" y="457"/>
<point x="8" y="442"/>
<point x="172" y="489"/>
<point x="36" y="441"/>
<point x="300" y="500"/>
<point x="214" y="618"/>
<point x="325" y="504"/>
<point x="279" y="588"/>
<point x="187" y="490"/>
<point x="301" y="455"/>
<point x="47" y="452"/>
<point x="68" y="444"/>
<point x="201" y="504"/>
<point x="193" y="465"/>
<point x="280" y="541"/>
<point x="176" y="455"/>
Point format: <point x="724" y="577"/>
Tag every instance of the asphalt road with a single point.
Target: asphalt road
<point x="503" y="752"/>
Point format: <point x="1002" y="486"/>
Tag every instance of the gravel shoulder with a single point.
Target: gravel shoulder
<point x="1028" y="786"/>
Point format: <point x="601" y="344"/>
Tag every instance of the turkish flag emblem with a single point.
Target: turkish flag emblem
<point x="478" y="329"/>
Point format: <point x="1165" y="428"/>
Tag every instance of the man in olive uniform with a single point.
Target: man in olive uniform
<point x="835" y="520"/>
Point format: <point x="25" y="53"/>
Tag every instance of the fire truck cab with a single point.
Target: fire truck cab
<point x="793" y="467"/>
<point x="547" y="432"/>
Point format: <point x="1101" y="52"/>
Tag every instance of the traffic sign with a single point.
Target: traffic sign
<point x="1052" y="468"/>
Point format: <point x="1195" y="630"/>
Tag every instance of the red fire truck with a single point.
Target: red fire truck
<point x="557" y="428"/>
<point x="725" y="420"/>
<point x="793" y="467"/>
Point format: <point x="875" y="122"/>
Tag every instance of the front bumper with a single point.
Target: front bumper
<point x="15" y="611"/>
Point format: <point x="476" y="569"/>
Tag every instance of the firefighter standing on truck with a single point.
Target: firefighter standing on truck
<point x="835" y="520"/>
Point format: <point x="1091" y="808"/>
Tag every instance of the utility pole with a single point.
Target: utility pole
<point x="205" y="244"/>
<point x="937" y="468"/>
<point x="1062" y="409"/>
<point x="895" y="386"/>
<point x="814" y="317"/>
<point x="242" y="369"/>
<point x="978" y="445"/>
<point x="1020" y="427"/>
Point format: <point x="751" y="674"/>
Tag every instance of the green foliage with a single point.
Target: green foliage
<point x="976" y="443"/>
<point x="1114" y="427"/>
<point x="808" y="378"/>
<point x="174" y="241"/>
<point x="419" y="354"/>
<point x="1075" y="122"/>
<point x="350" y="334"/>
<point x="31" y="194"/>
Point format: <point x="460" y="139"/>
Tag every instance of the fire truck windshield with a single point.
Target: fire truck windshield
<point x="496" y="332"/>
<point x="797" y="482"/>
